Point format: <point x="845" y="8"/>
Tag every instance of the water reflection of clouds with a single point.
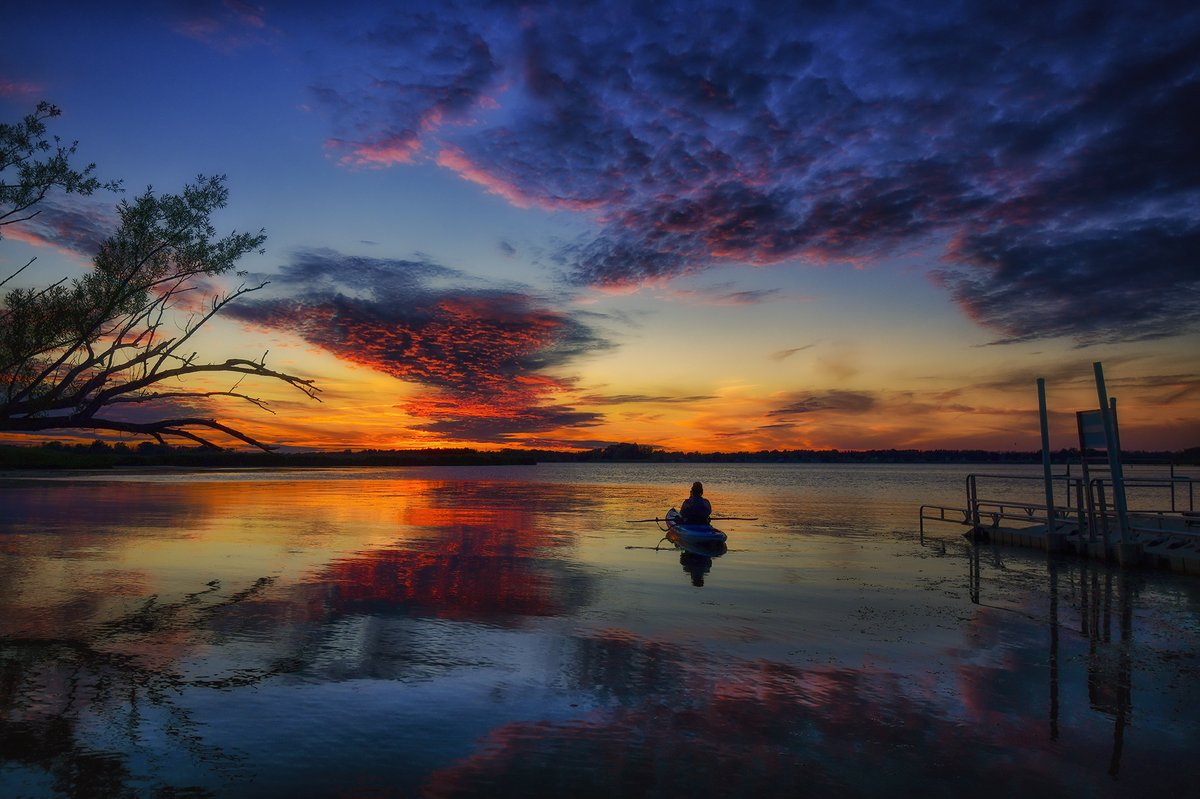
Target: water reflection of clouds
<point x="687" y="723"/>
<point x="479" y="594"/>
<point x="84" y="509"/>
<point x="485" y="584"/>
<point x="670" y="719"/>
<point x="479" y="556"/>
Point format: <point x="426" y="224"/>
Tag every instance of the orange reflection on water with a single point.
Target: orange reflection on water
<point x="89" y="550"/>
<point x="474" y="559"/>
<point x="501" y="520"/>
<point x="444" y="585"/>
<point x="318" y="606"/>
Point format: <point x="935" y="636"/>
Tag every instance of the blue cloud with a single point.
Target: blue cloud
<point x="708" y="133"/>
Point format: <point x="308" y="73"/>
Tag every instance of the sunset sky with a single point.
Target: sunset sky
<point x="704" y="226"/>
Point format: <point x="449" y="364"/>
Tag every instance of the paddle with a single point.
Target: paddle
<point x="714" y="518"/>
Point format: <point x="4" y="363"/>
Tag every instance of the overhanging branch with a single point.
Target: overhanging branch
<point x="68" y="352"/>
<point x="158" y="429"/>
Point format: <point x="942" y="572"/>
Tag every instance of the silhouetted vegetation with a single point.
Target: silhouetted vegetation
<point x="640" y="452"/>
<point x="101" y="455"/>
<point x="80" y="353"/>
<point x="643" y="452"/>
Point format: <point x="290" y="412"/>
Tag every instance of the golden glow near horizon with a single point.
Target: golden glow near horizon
<point x="839" y="394"/>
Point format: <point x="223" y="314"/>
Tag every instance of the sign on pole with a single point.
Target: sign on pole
<point x="1091" y="430"/>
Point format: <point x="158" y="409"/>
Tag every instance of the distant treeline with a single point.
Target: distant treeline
<point x="101" y="455"/>
<point x="646" y="452"/>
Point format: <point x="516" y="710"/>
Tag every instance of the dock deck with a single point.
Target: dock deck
<point x="1163" y="533"/>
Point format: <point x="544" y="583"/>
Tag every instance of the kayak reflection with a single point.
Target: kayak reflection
<point x="696" y="558"/>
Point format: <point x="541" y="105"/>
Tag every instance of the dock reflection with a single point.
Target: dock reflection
<point x="1095" y="600"/>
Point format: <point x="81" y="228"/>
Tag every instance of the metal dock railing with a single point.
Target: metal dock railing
<point x="1161" y="512"/>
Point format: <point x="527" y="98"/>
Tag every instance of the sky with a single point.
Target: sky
<point x="702" y="226"/>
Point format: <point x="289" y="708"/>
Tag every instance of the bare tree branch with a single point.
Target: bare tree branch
<point x="73" y="349"/>
<point x="19" y="271"/>
<point x="158" y="429"/>
<point x="162" y="395"/>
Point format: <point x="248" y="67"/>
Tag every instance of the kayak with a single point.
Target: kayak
<point x="698" y="551"/>
<point x="680" y="533"/>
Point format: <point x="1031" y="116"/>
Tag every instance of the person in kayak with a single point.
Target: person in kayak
<point x="696" y="509"/>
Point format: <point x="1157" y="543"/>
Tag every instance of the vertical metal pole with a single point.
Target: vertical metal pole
<point x="973" y="504"/>
<point x="1112" y="407"/>
<point x="1041" y="388"/>
<point x="1114" y="455"/>
<point x="1080" y="509"/>
<point x="1172" y="487"/>
<point x="1090" y="500"/>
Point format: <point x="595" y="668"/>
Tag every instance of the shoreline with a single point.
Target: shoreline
<point x="97" y="457"/>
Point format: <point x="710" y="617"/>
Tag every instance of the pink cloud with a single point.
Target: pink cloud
<point x="399" y="149"/>
<point x="231" y="25"/>
<point x="456" y="161"/>
<point x="248" y="14"/>
<point x="19" y="88"/>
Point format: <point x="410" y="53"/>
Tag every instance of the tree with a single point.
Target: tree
<point x="74" y="352"/>
<point x="21" y="146"/>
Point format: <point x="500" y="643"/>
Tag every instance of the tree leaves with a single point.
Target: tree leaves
<point x="73" y="349"/>
<point x="27" y="175"/>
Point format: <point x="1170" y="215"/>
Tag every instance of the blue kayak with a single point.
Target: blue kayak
<point x="679" y="532"/>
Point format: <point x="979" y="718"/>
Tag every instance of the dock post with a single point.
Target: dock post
<point x="1114" y="456"/>
<point x="973" y="506"/>
<point x="1053" y="540"/>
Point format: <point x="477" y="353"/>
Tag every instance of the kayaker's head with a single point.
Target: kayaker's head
<point x="697" y="489"/>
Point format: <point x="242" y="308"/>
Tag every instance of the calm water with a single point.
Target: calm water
<point x="505" y="632"/>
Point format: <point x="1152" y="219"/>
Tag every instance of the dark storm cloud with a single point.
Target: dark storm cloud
<point x="1097" y="288"/>
<point x="499" y="429"/>
<point x="423" y="70"/>
<point x="621" y="399"/>
<point x="486" y="352"/>
<point x="1052" y="144"/>
<point x="782" y="355"/>
<point x="835" y="400"/>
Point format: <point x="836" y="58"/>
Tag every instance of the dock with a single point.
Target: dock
<point x="1160" y="529"/>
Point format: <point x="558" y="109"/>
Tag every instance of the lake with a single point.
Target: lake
<point x="505" y="631"/>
